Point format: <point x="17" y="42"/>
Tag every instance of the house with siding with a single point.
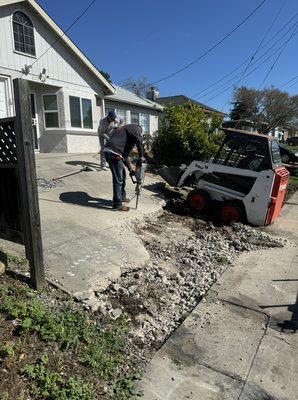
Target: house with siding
<point x="68" y="94"/>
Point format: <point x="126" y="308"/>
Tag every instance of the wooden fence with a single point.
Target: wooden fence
<point x="19" y="208"/>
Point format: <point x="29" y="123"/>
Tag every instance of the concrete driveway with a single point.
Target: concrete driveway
<point x="86" y="243"/>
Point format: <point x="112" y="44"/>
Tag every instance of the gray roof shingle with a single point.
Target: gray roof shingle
<point x="125" y="96"/>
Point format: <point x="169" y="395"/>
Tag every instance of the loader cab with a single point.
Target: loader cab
<point x="246" y="150"/>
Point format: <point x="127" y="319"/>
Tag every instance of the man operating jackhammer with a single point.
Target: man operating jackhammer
<point x="116" y="152"/>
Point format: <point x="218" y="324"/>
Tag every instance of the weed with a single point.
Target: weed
<point x="102" y="350"/>
<point x="222" y="260"/>
<point x="6" y="350"/>
<point x="17" y="260"/>
<point x="53" y="386"/>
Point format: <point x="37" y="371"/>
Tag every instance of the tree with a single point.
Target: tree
<point x="186" y="134"/>
<point x="139" y="86"/>
<point x="106" y="75"/>
<point x="267" y="109"/>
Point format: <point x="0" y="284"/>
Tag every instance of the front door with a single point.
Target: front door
<point x="3" y="99"/>
<point x="34" y="122"/>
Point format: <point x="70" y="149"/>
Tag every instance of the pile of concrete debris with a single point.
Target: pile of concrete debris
<point x="187" y="257"/>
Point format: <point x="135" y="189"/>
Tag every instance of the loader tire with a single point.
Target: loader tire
<point x="231" y="211"/>
<point x="199" y="200"/>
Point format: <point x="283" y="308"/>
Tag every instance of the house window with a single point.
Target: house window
<point x="50" y="109"/>
<point x="120" y="112"/>
<point x="141" y="119"/>
<point x="135" y="118"/>
<point x="23" y="33"/>
<point x="80" y="112"/>
<point x="144" y="122"/>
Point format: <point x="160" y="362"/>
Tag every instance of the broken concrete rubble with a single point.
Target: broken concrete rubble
<point x="187" y="257"/>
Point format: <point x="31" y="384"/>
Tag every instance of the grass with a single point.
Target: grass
<point x="293" y="181"/>
<point x="61" y="353"/>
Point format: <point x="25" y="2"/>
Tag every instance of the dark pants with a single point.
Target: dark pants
<point x="119" y="178"/>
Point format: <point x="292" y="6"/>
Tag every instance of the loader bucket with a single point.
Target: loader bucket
<point x="171" y="175"/>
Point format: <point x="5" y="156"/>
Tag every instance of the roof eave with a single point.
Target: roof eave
<point x="108" y="86"/>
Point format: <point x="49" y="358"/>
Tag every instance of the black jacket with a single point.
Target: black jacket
<point x="124" y="139"/>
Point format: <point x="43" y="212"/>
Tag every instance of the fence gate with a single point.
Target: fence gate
<point x="19" y="208"/>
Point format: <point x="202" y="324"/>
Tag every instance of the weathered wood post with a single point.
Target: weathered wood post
<point x="30" y="217"/>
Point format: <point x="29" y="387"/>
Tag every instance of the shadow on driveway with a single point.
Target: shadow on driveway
<point x="83" y="199"/>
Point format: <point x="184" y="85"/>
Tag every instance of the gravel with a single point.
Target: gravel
<point x="47" y="184"/>
<point x="187" y="258"/>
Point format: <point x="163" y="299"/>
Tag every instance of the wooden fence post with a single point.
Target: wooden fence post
<point x="28" y="183"/>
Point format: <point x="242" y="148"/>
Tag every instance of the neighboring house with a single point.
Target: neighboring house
<point x="134" y="109"/>
<point x="181" y="99"/>
<point x="66" y="89"/>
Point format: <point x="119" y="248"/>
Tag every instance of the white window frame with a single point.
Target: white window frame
<point x="12" y="35"/>
<point x="81" y="114"/>
<point x="50" y="111"/>
<point x="139" y="122"/>
<point x="8" y="93"/>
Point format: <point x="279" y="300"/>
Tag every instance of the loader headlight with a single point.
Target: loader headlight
<point x="296" y="154"/>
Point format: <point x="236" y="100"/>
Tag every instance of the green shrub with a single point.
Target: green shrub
<point x="185" y="134"/>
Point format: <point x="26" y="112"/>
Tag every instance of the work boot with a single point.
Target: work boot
<point x="126" y="200"/>
<point x="122" y="208"/>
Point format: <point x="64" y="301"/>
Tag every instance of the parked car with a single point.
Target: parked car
<point x="293" y="141"/>
<point x="288" y="156"/>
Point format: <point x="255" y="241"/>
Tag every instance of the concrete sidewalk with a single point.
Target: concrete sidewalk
<point x="85" y="242"/>
<point x="241" y="343"/>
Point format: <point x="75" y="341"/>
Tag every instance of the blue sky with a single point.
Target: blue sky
<point x="154" y="38"/>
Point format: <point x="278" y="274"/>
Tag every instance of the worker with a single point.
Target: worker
<point x="116" y="152"/>
<point x="105" y="129"/>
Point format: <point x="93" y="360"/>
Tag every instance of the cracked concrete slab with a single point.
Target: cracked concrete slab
<point x="275" y="369"/>
<point x="166" y="380"/>
<point x="86" y="244"/>
<point x="246" y="331"/>
<point x="216" y="336"/>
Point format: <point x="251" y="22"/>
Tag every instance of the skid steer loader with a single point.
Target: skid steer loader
<point x="245" y="181"/>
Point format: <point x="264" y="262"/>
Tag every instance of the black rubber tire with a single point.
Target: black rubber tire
<point x="199" y="200"/>
<point x="231" y="211"/>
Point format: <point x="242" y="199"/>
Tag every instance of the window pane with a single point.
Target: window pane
<point x="122" y="114"/>
<point x="87" y="113"/>
<point x="144" y="122"/>
<point x="23" y="33"/>
<point x="135" y="118"/>
<point x="50" y="102"/>
<point x="75" y="112"/>
<point x="51" y="120"/>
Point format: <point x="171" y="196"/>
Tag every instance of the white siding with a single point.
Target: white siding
<point x="63" y="68"/>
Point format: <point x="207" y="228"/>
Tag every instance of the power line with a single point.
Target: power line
<point x="249" y="73"/>
<point x="64" y="32"/>
<point x="239" y="66"/>
<point x="257" y="50"/>
<point x="238" y="74"/>
<point x="277" y="58"/>
<point x="291" y="80"/>
<point x="262" y="41"/>
<point x="212" y="47"/>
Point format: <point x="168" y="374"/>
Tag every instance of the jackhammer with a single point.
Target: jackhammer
<point x="138" y="177"/>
